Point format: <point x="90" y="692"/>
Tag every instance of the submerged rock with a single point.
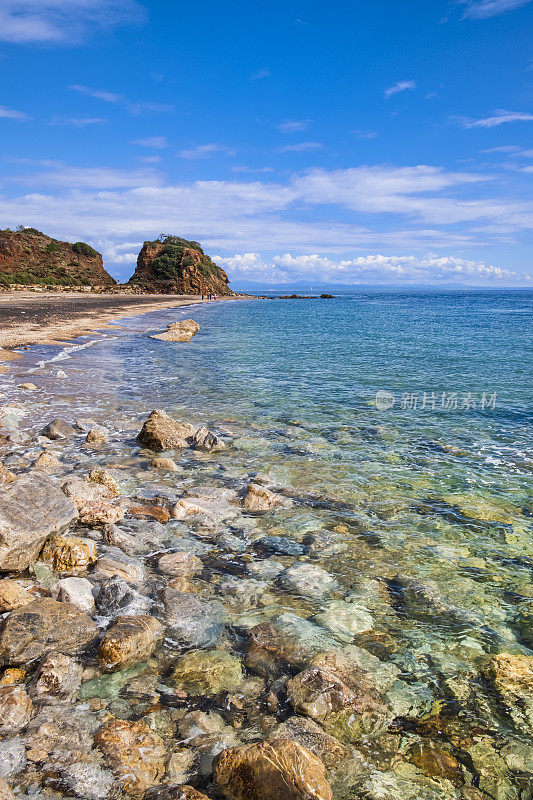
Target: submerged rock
<point x="194" y="622"/>
<point x="58" y="429"/>
<point x="258" y="498"/>
<point x="275" y="770"/>
<point x="16" y="709"/>
<point x="311" y="736"/>
<point x="161" y="432"/>
<point x="135" y="754"/>
<point x="345" y="620"/>
<point x="59" y="676"/>
<point x="87" y="781"/>
<point x="435" y="761"/>
<point x="116" y="597"/>
<point x="46" y="461"/>
<point x="42" y="626"/>
<point x="96" y="436"/>
<point x="92" y="501"/>
<point x="162" y="463"/>
<point x="129" y="640"/>
<point x="31" y="510"/>
<point x="207" y="672"/>
<point x="309" y="580"/>
<point x="179" y="563"/>
<point x="340" y="695"/>
<point x="511" y="677"/>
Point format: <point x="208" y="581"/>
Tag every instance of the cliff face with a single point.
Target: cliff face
<point x="30" y="257"/>
<point x="176" y="266"/>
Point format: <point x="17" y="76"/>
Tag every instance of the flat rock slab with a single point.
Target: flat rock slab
<point x="31" y="509"/>
<point x="43" y="626"/>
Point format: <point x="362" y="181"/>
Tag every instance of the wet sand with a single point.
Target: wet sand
<point x="52" y="318"/>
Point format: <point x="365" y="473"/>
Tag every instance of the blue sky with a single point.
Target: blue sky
<point x="380" y="141"/>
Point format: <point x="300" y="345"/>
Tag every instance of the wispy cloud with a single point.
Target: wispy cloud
<point x="400" y="86"/>
<point x="158" y="142"/>
<point x="364" y="134"/>
<point x="506" y="148"/>
<point x="300" y="147"/>
<point x="63" y="21"/>
<point x="257" y="170"/>
<point x="499" y="117"/>
<point x="11" y="113"/>
<point x="98" y="94"/>
<point x="133" y="107"/>
<point x="481" y="9"/>
<point x="293" y="125"/>
<point x="58" y="174"/>
<point x="206" y="150"/>
<point x="264" y="72"/>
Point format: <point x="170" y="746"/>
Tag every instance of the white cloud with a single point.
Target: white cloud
<point x="407" y="269"/>
<point x="365" y="134"/>
<point x="63" y="21"/>
<point x="300" y="147"/>
<point x="132" y="106"/>
<point x="158" y="142"/>
<point x="11" y="113"/>
<point x="206" y="150"/>
<point x="257" y="170"/>
<point x="262" y="73"/>
<point x="400" y="86"/>
<point x="293" y="125"/>
<point x="343" y="212"/>
<point x="506" y="148"/>
<point x="480" y="9"/>
<point x="499" y="117"/>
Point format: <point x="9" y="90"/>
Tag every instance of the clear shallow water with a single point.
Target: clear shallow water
<point x="418" y="493"/>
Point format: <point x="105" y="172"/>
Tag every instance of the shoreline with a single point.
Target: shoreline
<point x="54" y="319"/>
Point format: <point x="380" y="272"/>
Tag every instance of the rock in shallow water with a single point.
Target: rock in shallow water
<point x="58" y="429"/>
<point x="78" y="591"/>
<point x="309" y="580"/>
<point x="59" y="676"/>
<point x="31" y="510"/>
<point x="276" y="770"/>
<point x="42" y="626"/>
<point x="161" y="432"/>
<point x="69" y="555"/>
<point x="258" y="498"/>
<point x="194" y="622"/>
<point x="129" y="640"/>
<point x="207" y="672"/>
<point x="135" y="754"/>
<point x="15" y="709"/>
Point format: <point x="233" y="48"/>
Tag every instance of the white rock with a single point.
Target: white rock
<point x="77" y="591"/>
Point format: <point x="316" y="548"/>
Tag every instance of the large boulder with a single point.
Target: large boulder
<point x="275" y="770"/>
<point x="43" y="626"/>
<point x="31" y="509"/>
<point x="161" y="432"/>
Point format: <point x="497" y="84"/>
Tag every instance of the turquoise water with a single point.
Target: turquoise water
<point x="421" y="511"/>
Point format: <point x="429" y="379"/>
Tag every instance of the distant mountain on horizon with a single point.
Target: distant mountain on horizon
<point x="311" y="287"/>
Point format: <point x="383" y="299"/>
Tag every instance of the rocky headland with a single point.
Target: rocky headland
<point x="174" y="265"/>
<point x="29" y="257"/>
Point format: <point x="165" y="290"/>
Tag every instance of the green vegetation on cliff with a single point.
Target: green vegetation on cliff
<point x="169" y="263"/>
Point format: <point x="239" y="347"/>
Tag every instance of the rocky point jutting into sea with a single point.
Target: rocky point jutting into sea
<point x="227" y="575"/>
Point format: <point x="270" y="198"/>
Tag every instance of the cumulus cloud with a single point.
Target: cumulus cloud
<point x="63" y="21"/>
<point x="406" y="269"/>
<point x="481" y="9"/>
<point x="11" y="113"/>
<point x="400" y="86"/>
<point x="499" y="117"/>
<point x="342" y="212"/>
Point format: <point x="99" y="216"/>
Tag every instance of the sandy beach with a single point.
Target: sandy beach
<point x="50" y="317"/>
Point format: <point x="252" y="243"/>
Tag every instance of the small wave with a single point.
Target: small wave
<point x="64" y="354"/>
